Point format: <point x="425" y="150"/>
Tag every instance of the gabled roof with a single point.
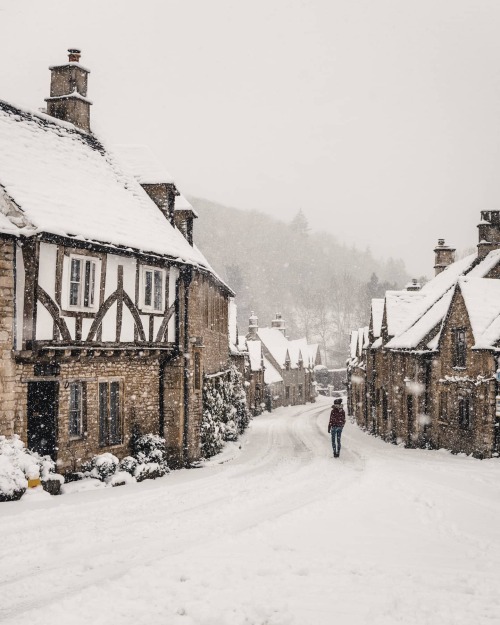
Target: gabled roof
<point x="313" y="350"/>
<point x="428" y="312"/>
<point x="66" y="183"/>
<point x="271" y="375"/>
<point x="276" y="343"/>
<point x="482" y="300"/>
<point x="354" y="344"/>
<point x="298" y="351"/>
<point x="255" y="355"/>
<point x="377" y="314"/>
<point x="398" y="306"/>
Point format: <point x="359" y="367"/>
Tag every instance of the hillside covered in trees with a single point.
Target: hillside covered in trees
<point x="321" y="287"/>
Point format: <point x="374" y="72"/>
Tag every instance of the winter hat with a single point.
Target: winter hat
<point x="337" y="401"/>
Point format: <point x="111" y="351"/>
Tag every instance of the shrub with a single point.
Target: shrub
<point x="151" y="448"/>
<point x="225" y="412"/>
<point x="18" y="465"/>
<point x="101" y="467"/>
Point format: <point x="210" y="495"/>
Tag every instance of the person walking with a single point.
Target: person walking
<point x="335" y="425"/>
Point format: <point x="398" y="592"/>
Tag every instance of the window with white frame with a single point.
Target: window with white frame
<point x="153" y="289"/>
<point x="82" y="282"/>
<point x="76" y="409"/>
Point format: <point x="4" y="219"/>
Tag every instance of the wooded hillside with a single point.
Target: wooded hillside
<point x="321" y="287"/>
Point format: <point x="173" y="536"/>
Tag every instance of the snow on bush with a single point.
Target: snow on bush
<point x="18" y="465"/>
<point x="148" y="461"/>
<point x="101" y="467"/>
<point x="225" y="413"/>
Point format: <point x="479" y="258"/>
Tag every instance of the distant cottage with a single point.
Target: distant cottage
<point x="110" y="315"/>
<point x="288" y="365"/>
<point x="426" y="371"/>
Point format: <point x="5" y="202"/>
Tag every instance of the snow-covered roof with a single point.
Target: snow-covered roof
<point x="181" y="204"/>
<point x="143" y="164"/>
<point x="312" y="350"/>
<point x="398" y="305"/>
<point x="482" y="300"/>
<point x="66" y="183"/>
<point x="377" y="315"/>
<point x="232" y="322"/>
<point x="271" y="375"/>
<point x="275" y="342"/>
<point x="428" y="311"/>
<point x="354" y="344"/>
<point x="255" y="354"/>
<point x="298" y="351"/>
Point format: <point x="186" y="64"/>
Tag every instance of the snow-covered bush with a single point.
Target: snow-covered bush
<point x="101" y="467"/>
<point x="225" y="413"/>
<point x="147" y="461"/>
<point x="128" y="464"/>
<point x="18" y="465"/>
<point x="150" y="448"/>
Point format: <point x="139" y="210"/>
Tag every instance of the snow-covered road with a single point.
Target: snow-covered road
<point x="277" y="532"/>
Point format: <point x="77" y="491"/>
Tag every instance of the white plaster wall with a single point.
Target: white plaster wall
<point x="109" y="325"/>
<point x="127" y="334"/>
<point x="44" y="324"/>
<point x="71" y="323"/>
<point x="86" y="325"/>
<point x="47" y="269"/>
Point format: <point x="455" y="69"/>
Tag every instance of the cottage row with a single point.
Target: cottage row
<point x="110" y="315"/>
<point x="425" y="371"/>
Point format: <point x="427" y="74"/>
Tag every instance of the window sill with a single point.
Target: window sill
<point x="75" y="438"/>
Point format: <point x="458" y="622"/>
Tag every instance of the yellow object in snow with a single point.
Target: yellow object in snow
<point x="34" y="483"/>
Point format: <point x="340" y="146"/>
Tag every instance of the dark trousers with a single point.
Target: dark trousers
<point x="336" y="433"/>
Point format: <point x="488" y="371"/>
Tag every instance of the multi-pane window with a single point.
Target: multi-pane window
<point x="287" y="393"/>
<point x="110" y="423"/>
<point x="464" y="413"/>
<point x="153" y="281"/>
<point x="459" y="347"/>
<point x="82" y="282"/>
<point x="76" y="408"/>
<point x="301" y="391"/>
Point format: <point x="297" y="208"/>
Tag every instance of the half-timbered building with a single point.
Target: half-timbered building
<point x="110" y="315"/>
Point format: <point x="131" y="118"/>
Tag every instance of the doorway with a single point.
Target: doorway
<point x="42" y="417"/>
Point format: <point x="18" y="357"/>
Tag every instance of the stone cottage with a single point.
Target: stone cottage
<point x="426" y="372"/>
<point x="288" y="365"/>
<point x="110" y="315"/>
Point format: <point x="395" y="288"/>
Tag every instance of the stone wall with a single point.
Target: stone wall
<point x="8" y="378"/>
<point x="139" y="404"/>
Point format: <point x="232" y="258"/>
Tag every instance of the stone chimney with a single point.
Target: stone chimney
<point x="489" y="233"/>
<point x="414" y="285"/>
<point x="253" y="325"/>
<point x="444" y="256"/>
<point x="68" y="92"/>
<point x="279" y="323"/>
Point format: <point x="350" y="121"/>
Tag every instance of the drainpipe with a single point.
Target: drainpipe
<point x="187" y="278"/>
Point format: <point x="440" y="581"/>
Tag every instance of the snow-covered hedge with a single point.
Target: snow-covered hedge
<point x="18" y="465"/>
<point x="225" y="413"/>
<point x="148" y="461"/>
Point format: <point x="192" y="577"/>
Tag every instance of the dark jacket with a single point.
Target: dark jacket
<point x="337" y="418"/>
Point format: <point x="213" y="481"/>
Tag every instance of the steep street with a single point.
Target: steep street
<point x="273" y="531"/>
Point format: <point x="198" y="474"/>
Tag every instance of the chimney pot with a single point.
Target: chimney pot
<point x="74" y="55"/>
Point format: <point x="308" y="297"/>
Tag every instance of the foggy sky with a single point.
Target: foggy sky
<point x="379" y="118"/>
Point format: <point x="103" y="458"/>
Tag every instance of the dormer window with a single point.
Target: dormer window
<point x="153" y="289"/>
<point x="83" y="273"/>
